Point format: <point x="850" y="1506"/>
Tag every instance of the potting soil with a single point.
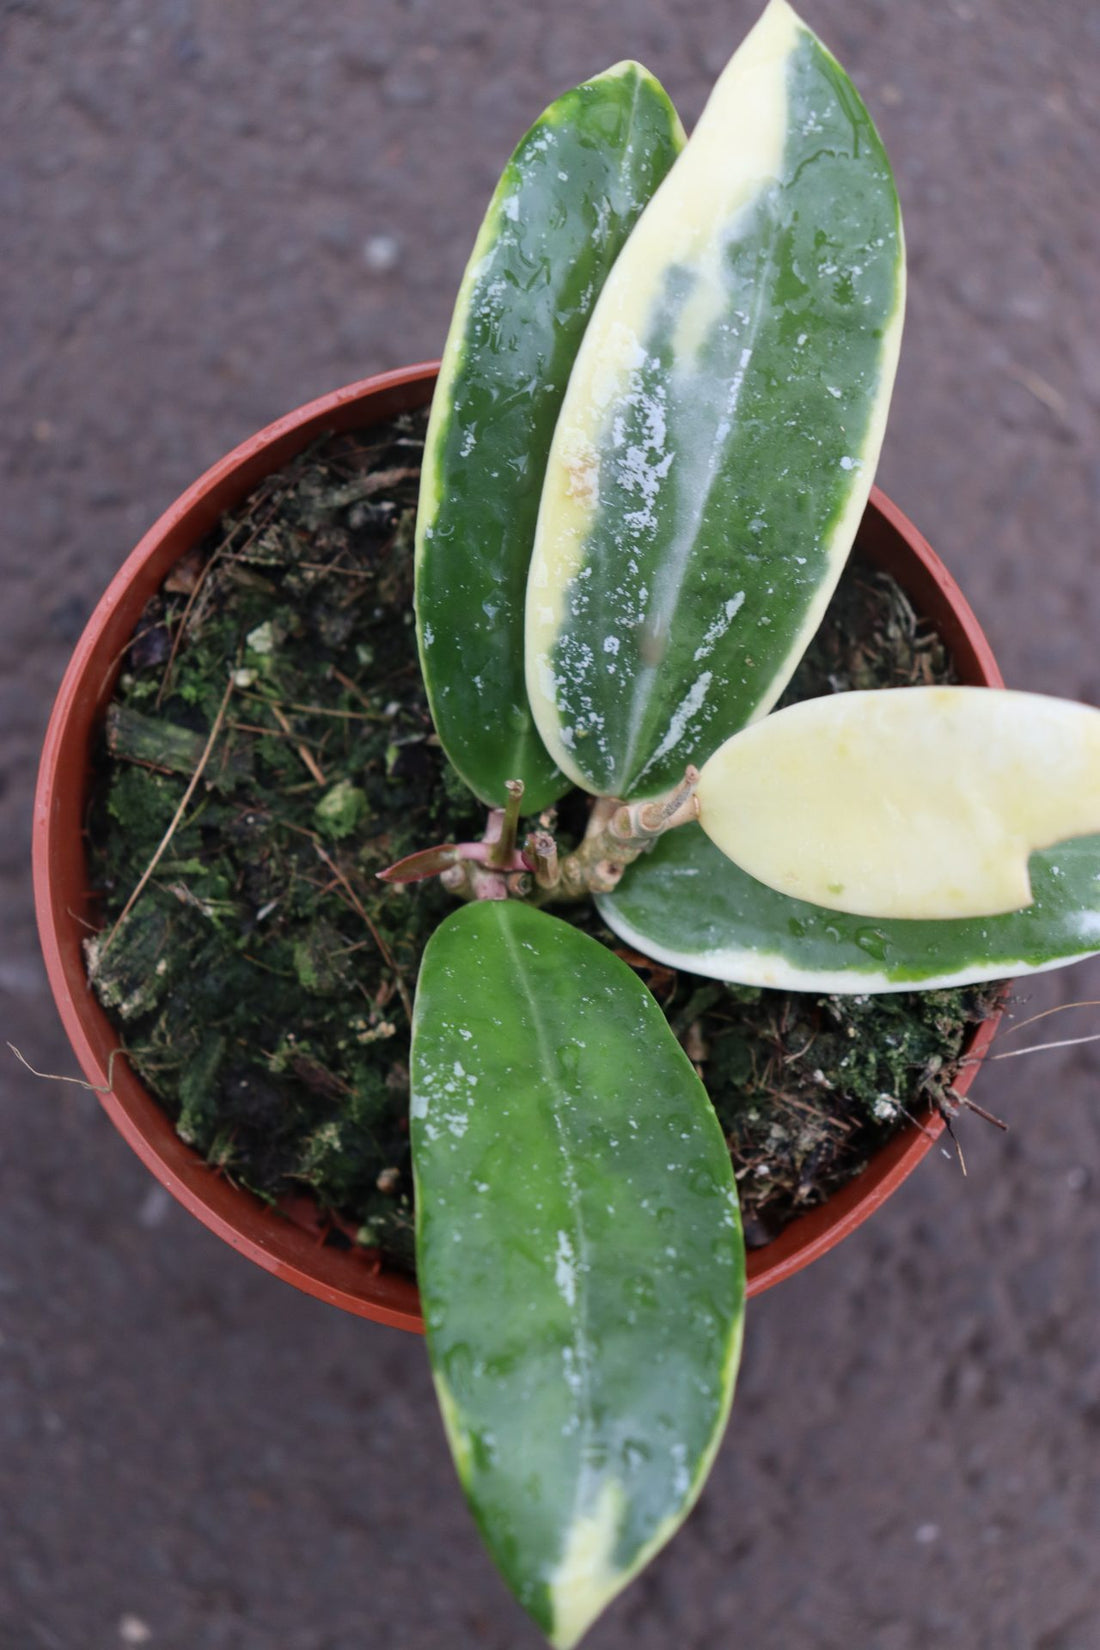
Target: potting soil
<point x="263" y="980"/>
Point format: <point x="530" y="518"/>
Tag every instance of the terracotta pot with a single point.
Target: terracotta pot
<point x="345" y="1277"/>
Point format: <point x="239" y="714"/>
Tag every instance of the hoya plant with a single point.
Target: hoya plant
<point x="653" y="437"/>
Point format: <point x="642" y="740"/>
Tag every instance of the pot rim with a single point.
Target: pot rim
<point x="348" y="1278"/>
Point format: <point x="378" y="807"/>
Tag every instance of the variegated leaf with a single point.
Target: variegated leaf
<point x="579" y="1253"/>
<point x="687" y="905"/>
<point x="722" y="425"/>
<point x="566" y="202"/>
<point x="917" y="803"/>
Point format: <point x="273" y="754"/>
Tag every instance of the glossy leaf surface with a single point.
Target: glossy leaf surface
<point x="722" y="426"/>
<point x="687" y="905"/>
<point x="916" y="803"/>
<point x="564" y="206"/>
<point x="579" y="1253"/>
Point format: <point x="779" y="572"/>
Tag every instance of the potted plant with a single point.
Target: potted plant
<point x="651" y="447"/>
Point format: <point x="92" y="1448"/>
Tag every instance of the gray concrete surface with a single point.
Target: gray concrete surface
<point x="210" y="213"/>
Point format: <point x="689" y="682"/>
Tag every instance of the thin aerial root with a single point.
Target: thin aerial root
<point x="80" y="1083"/>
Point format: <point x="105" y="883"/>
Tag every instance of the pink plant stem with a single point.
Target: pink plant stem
<point x="481" y="852"/>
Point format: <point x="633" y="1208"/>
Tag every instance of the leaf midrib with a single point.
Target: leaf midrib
<point x="580" y="1339"/>
<point x="687" y="538"/>
<point x="530" y="737"/>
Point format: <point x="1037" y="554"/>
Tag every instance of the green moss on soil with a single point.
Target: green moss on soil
<point x="263" y="981"/>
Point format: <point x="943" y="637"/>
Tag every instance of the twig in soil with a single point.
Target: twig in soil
<point x="250" y="727"/>
<point x="387" y="954"/>
<point x="331" y="567"/>
<point x="181" y="629"/>
<point x="199" y="585"/>
<point x="171" y="831"/>
<point x="789" y="1059"/>
<point x="309" y="761"/>
<point x="352" y="687"/>
<point x="815" y="1112"/>
<point x="382" y="480"/>
<point x="139" y="635"/>
<point x="314" y="710"/>
<point x="280" y="973"/>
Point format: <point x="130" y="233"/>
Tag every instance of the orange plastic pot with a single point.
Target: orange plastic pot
<point x="346" y="1277"/>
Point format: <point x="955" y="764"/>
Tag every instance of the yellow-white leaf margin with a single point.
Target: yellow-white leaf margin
<point x="734" y="154"/>
<point x="497" y="214"/>
<point x="743" y="965"/>
<point x="586" y="1577"/>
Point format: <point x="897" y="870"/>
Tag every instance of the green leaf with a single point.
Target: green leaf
<point x="720" y="433"/>
<point x="579" y="1253"/>
<point x="920" y="802"/>
<point x="564" y="206"/>
<point x="687" y="905"/>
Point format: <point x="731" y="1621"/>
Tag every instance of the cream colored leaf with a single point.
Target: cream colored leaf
<point x="916" y="803"/>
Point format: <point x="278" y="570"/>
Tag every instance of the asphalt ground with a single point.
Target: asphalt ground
<point x="208" y="214"/>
